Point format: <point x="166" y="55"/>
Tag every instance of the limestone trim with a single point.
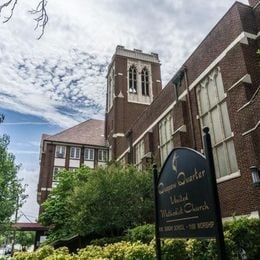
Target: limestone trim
<point x="182" y="129"/>
<point x="252" y="129"/>
<point x="45" y="189"/>
<point x="250" y="101"/>
<point x="253" y="214"/>
<point x="229" y="177"/>
<point x="221" y="56"/>
<point x="256" y="5"/>
<point x="118" y="135"/>
<point x="137" y="97"/>
<point x="137" y="55"/>
<point x="245" y="79"/>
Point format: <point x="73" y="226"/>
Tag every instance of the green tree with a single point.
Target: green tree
<point x="25" y="239"/>
<point x="104" y="201"/>
<point x="112" y="200"/>
<point x="57" y="210"/>
<point x="11" y="189"/>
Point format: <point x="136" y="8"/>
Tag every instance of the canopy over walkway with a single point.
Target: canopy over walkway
<point x="29" y="227"/>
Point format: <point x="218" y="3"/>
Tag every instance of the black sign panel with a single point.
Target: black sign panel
<point x="185" y="204"/>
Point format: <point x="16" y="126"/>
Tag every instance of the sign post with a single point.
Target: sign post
<point x="157" y="238"/>
<point x="214" y="189"/>
<point x="186" y="198"/>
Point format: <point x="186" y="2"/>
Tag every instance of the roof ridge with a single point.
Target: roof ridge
<point x="67" y="129"/>
<point x="89" y="132"/>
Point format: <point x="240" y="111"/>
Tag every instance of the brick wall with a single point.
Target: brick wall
<point x="253" y="2"/>
<point x="237" y="195"/>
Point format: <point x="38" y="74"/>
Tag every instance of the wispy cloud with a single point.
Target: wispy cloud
<point x="25" y="123"/>
<point x="24" y="152"/>
<point x="30" y="177"/>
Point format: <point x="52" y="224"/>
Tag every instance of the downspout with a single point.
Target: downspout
<point x="194" y="144"/>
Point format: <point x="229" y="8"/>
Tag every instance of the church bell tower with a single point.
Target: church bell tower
<point x="133" y="82"/>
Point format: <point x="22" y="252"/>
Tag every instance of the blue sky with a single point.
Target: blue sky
<point x="60" y="80"/>
<point x="25" y="133"/>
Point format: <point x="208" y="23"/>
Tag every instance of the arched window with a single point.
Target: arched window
<point x="145" y="82"/>
<point x="132" y="80"/>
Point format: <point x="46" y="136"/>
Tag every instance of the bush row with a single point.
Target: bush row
<point x="242" y="236"/>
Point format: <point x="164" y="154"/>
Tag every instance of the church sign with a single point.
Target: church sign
<point x="185" y="204"/>
<point x="186" y="197"/>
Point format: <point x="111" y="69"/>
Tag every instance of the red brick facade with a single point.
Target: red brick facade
<point x="231" y="47"/>
<point x="134" y="119"/>
<point x="87" y="135"/>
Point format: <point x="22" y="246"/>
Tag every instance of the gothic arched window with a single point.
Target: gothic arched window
<point x="145" y="82"/>
<point x="132" y="79"/>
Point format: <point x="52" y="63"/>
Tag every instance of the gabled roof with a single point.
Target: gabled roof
<point x="90" y="132"/>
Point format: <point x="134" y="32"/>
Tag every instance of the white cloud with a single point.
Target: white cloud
<point x="24" y="152"/>
<point x="62" y="77"/>
<point x="25" y="123"/>
<point x="30" y="177"/>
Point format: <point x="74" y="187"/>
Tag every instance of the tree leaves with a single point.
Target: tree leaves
<point x="10" y="186"/>
<point x="104" y="201"/>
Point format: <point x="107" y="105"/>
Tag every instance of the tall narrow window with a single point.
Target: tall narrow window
<point x="75" y="152"/>
<point x="89" y="154"/>
<point x="132" y="80"/>
<point x="60" y="151"/>
<point x="110" y="88"/>
<point x="102" y="155"/>
<point x="109" y="95"/>
<point x="214" y="114"/>
<point x="55" y="173"/>
<point x="165" y="136"/>
<point x="145" y="82"/>
<point x="139" y="154"/>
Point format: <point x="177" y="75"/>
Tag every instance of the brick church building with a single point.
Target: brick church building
<point x="217" y="86"/>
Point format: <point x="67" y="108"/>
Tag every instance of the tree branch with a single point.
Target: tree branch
<point x="9" y="3"/>
<point x="41" y="16"/>
<point x="40" y="13"/>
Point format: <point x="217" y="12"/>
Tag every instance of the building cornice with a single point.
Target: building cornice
<point x="74" y="144"/>
<point x="137" y="54"/>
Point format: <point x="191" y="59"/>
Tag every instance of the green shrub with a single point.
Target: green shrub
<point x="129" y="251"/>
<point x="23" y="256"/>
<point x="144" y="233"/>
<point x="118" y="251"/>
<point x="245" y="233"/>
<point x="106" y="240"/>
<point x="61" y="253"/>
<point x="197" y="249"/>
<point x="140" y="251"/>
<point x="174" y="249"/>
<point x="41" y="253"/>
<point x="91" y="252"/>
<point x="239" y="234"/>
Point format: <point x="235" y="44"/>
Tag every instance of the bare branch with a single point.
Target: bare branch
<point x="41" y="16"/>
<point x="9" y="3"/>
<point x="5" y="5"/>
